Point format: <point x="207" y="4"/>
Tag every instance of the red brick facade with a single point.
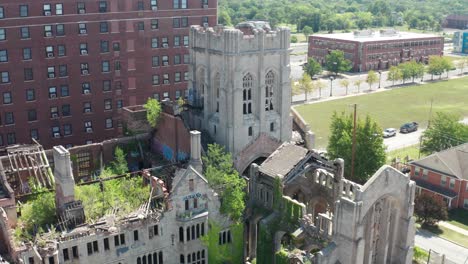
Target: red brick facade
<point x="451" y="184"/>
<point x="374" y="54"/>
<point x="104" y="55"/>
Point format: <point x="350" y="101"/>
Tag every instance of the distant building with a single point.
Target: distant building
<point x="460" y="42"/>
<point x="445" y="175"/>
<point x="376" y="50"/>
<point x="456" y="21"/>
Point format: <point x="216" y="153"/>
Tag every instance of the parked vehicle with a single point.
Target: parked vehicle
<point x="389" y="132"/>
<point x="409" y="127"/>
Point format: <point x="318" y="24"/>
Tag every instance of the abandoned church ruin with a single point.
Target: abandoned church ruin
<point x="300" y="208"/>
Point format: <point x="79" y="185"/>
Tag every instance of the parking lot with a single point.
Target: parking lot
<point x="403" y="140"/>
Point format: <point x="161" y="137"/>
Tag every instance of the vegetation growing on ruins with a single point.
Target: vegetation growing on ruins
<point x="222" y="177"/>
<point x="230" y="253"/>
<point x="153" y="111"/>
<point x="121" y="196"/>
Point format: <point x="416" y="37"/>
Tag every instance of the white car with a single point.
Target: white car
<point x="389" y="132"/>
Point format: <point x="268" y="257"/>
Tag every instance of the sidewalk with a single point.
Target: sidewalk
<point x="454" y="228"/>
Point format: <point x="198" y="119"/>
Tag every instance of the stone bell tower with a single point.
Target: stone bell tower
<point x="239" y="82"/>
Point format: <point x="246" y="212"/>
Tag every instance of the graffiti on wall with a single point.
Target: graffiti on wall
<point x="168" y="153"/>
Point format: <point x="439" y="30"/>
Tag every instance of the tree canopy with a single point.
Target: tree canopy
<point x="335" y="62"/>
<point x="429" y="210"/>
<point x="370" y="151"/>
<point x="303" y="85"/>
<point x="312" y="67"/>
<point x="222" y="177"/>
<point x="444" y="132"/>
<point x="371" y="78"/>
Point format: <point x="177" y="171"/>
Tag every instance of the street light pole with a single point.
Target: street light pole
<point x="380" y="77"/>
<point x="331" y="85"/>
<point x="353" y="151"/>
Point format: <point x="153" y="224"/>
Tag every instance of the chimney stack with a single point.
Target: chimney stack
<point x="195" y="150"/>
<point x="63" y="175"/>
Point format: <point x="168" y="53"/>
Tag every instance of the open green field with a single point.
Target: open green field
<point x="459" y="217"/>
<point x="411" y="151"/>
<point x="391" y="108"/>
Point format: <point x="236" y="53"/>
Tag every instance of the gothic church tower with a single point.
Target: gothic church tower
<point x="239" y="81"/>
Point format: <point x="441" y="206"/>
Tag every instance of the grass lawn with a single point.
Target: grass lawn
<point x="412" y="152"/>
<point x="391" y="108"/>
<point x="448" y="234"/>
<point x="459" y="217"/>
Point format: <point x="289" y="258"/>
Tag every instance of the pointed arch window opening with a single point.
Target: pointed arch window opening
<point x="247" y="83"/>
<point x="217" y="84"/>
<point x="270" y="87"/>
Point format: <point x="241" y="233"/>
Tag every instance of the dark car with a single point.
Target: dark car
<point x="409" y="127"/>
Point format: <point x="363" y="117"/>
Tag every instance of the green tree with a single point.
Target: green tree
<point x="429" y="209"/>
<point x="319" y="85"/>
<point x="336" y="62"/>
<point x="394" y="74"/>
<point x="371" y="78"/>
<point x="119" y="165"/>
<point x="293" y="39"/>
<point x="444" y="132"/>
<point x="224" y="18"/>
<point x="447" y="65"/>
<point x="357" y="84"/>
<point x="363" y="20"/>
<point x="312" y="67"/>
<point x="303" y="85"/>
<point x="370" y="151"/>
<point x="37" y="213"/>
<point x="411" y="70"/>
<point x="307" y="31"/>
<point x="435" y="66"/>
<point x="345" y="83"/>
<point x="223" y="178"/>
<point x="153" y="111"/>
<point x="461" y="64"/>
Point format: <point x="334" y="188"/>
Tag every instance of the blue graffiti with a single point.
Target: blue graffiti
<point x="181" y="156"/>
<point x="167" y="152"/>
<point x="121" y="250"/>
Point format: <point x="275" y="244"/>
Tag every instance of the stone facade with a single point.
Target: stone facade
<point x="343" y="221"/>
<point x="170" y="233"/>
<point x="239" y="81"/>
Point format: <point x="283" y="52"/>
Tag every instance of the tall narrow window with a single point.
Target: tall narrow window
<point x="269" y="90"/>
<point x="247" y="83"/>
<point x="217" y="84"/>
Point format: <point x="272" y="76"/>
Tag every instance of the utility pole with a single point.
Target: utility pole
<point x="353" y="154"/>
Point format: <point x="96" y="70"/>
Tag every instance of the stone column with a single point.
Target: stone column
<point x="195" y="151"/>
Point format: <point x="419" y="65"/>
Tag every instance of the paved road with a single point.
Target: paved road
<point x="403" y="140"/>
<point x="455" y="253"/>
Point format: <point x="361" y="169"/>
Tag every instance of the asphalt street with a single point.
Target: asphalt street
<point x="403" y="140"/>
<point x="453" y="252"/>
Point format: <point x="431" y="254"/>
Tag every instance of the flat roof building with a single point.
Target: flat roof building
<point x="376" y="50"/>
<point x="68" y="67"/>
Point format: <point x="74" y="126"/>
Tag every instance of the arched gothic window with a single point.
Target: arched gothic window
<point x="270" y="87"/>
<point x="217" y="85"/>
<point x="247" y="83"/>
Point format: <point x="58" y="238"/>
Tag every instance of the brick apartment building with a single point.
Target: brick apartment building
<point x="445" y="175"/>
<point x="456" y="21"/>
<point x="68" y="67"/>
<point x="369" y="50"/>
